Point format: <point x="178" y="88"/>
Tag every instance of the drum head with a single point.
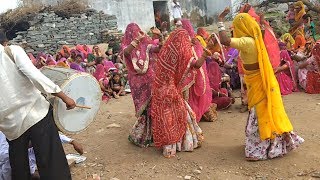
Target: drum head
<point x="85" y="91"/>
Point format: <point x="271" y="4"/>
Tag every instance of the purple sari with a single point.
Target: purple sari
<point x="233" y="72"/>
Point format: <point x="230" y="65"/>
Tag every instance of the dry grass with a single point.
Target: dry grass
<point x="18" y="19"/>
<point x="67" y="8"/>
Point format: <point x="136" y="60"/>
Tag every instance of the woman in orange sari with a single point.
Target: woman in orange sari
<point x="174" y="124"/>
<point x="269" y="133"/>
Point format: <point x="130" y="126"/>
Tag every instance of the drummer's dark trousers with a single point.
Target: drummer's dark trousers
<point x="51" y="160"/>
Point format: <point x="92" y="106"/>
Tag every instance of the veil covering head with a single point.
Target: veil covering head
<point x="275" y="121"/>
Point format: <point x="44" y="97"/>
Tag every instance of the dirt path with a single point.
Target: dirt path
<point x="110" y="155"/>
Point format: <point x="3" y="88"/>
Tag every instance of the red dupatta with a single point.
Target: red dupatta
<point x="168" y="108"/>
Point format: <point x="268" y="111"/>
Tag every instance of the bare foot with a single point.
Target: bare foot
<point x="252" y="159"/>
<point x="244" y="109"/>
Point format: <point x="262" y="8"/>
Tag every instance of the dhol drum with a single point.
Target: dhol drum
<point x="86" y="92"/>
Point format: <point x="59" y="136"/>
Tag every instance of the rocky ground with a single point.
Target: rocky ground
<point x="111" y="156"/>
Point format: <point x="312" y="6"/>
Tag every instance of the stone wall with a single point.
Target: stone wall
<point x="48" y="31"/>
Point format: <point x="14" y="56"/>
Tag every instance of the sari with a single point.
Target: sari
<point x="309" y="77"/>
<point x="269" y="130"/>
<point x="41" y="58"/>
<point x="288" y="39"/>
<point x="270" y="40"/>
<point x="202" y="35"/>
<point x="215" y="46"/>
<point x="300" y="42"/>
<point x="140" y="76"/>
<point x="231" y="60"/>
<point x="287" y="79"/>
<point x="298" y="28"/>
<point x="63" y="62"/>
<point x="50" y="61"/>
<point x="215" y="76"/>
<point x="200" y="95"/>
<point x="173" y="122"/>
<point x="84" y="49"/>
<point x="78" y="65"/>
<point x="65" y="51"/>
<point x="109" y="66"/>
<point x="33" y="59"/>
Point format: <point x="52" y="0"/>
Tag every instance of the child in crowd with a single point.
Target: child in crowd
<point x="78" y="64"/>
<point x="117" y="85"/>
<point x="309" y="27"/>
<point x="291" y="15"/>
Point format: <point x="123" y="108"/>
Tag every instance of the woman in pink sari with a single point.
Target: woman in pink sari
<point x="200" y="95"/>
<point x="220" y="96"/>
<point x="84" y="49"/>
<point x="103" y="79"/>
<point x="138" y="53"/>
<point x="285" y="73"/>
<point x="50" y="61"/>
<point x="270" y="39"/>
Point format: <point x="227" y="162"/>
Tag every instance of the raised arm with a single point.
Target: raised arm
<point x="133" y="44"/>
<point x="224" y="38"/>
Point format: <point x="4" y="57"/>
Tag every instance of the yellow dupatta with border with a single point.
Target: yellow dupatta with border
<point x="290" y="42"/>
<point x="263" y="89"/>
<point x="202" y="41"/>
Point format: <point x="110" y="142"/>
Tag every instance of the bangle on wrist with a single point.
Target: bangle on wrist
<point x="223" y="28"/>
<point x="134" y="44"/>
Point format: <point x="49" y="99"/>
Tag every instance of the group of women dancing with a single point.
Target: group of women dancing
<point x="180" y="80"/>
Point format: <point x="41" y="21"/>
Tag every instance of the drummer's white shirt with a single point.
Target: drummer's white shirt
<point x="21" y="102"/>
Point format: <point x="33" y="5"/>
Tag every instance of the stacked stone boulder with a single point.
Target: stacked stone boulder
<point x="48" y="32"/>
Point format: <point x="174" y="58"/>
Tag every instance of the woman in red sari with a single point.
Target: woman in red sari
<point x="138" y="53"/>
<point x="285" y="73"/>
<point x="309" y="72"/>
<point x="174" y="123"/>
<point x="200" y="95"/>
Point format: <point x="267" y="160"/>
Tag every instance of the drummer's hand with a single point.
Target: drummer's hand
<point x="77" y="146"/>
<point x="70" y="103"/>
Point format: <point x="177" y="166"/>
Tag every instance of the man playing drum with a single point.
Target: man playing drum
<point x="25" y="116"/>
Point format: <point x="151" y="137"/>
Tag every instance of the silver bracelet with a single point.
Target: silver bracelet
<point x="221" y="23"/>
<point x="221" y="28"/>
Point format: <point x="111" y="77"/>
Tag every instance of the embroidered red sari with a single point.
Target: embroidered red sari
<point x="168" y="108"/>
<point x="313" y="77"/>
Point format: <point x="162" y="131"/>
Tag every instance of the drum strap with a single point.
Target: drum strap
<point x="8" y="51"/>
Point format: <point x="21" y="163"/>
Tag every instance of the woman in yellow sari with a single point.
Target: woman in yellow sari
<point x="269" y="132"/>
<point x="298" y="26"/>
<point x="288" y="39"/>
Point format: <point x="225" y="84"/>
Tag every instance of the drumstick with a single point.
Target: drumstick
<point x="84" y="107"/>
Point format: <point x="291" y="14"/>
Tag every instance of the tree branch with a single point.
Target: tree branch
<point x="309" y="4"/>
